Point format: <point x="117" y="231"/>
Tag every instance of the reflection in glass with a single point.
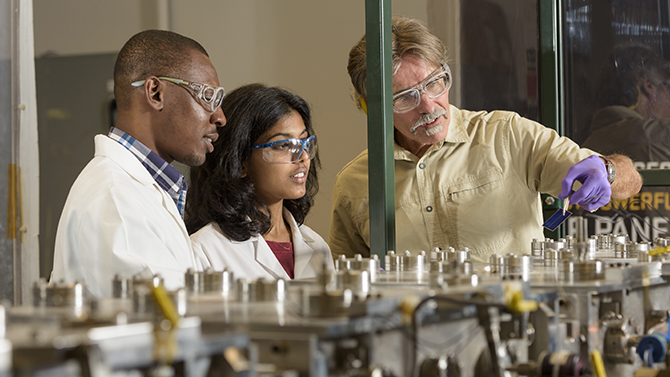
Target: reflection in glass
<point x="617" y="96"/>
<point x="593" y="29"/>
<point x="632" y="116"/>
<point x="498" y="56"/>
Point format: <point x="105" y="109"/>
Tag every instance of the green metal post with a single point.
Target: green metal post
<point x="551" y="84"/>
<point x="655" y="177"/>
<point x="380" y="127"/>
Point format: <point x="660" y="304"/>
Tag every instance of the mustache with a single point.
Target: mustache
<point x="427" y="118"/>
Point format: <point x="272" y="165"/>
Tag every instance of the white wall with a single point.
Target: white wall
<point x="302" y="45"/>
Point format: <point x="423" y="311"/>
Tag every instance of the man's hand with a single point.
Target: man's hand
<point x="595" y="191"/>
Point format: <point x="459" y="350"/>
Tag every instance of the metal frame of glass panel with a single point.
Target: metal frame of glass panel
<point x="380" y="127"/>
<point x="655" y="177"/>
<point x="551" y="88"/>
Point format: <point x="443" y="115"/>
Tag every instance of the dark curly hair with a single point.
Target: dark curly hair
<point x="218" y="192"/>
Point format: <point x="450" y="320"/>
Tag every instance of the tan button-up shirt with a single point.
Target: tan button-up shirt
<point x="479" y="188"/>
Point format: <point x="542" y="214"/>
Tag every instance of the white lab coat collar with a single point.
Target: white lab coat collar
<point x="303" y="252"/>
<point x="106" y="146"/>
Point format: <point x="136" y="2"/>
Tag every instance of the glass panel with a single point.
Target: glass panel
<point x="499" y="56"/>
<point x="74" y="103"/>
<point x="617" y="96"/>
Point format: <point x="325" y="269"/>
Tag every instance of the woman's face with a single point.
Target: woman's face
<point x="273" y="181"/>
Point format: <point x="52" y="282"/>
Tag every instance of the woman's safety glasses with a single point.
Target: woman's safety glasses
<point x="434" y="86"/>
<point x="209" y="96"/>
<point x="287" y="151"/>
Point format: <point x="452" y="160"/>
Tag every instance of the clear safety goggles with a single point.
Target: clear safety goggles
<point x="288" y="151"/>
<point x="209" y="96"/>
<point x="434" y="86"/>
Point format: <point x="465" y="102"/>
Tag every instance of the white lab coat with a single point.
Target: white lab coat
<point x="118" y="220"/>
<point x="253" y="258"/>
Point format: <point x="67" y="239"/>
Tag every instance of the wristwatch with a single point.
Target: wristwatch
<point x="609" y="166"/>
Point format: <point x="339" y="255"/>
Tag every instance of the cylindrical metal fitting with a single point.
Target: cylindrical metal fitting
<point x="122" y="287"/>
<point x="180" y="299"/>
<point x="341" y="263"/>
<point x="644" y="257"/>
<point x="496" y="263"/>
<point x="624" y="250"/>
<point x="143" y="302"/>
<point x="153" y="281"/>
<point x="433" y="253"/>
<point x="269" y="290"/>
<point x="219" y="281"/>
<point x="438" y="266"/>
<point x="331" y="280"/>
<point x="60" y="294"/>
<point x="336" y="303"/>
<point x="443" y="255"/>
<point x="371" y="265"/>
<point x="394" y="262"/>
<point x="582" y="271"/>
<point x="642" y="249"/>
<point x="661" y="242"/>
<point x="459" y="255"/>
<point x="265" y="289"/>
<point x="537" y="248"/>
<point x="358" y="282"/>
<point x="194" y="281"/>
<point x="582" y="229"/>
<point x="619" y="238"/>
<point x="466" y="268"/>
<point x="550" y="244"/>
<point x="451" y="267"/>
<point x="517" y="266"/>
<point x="605" y="242"/>
<point x="592" y="247"/>
<point x="553" y="257"/>
<point x="414" y="262"/>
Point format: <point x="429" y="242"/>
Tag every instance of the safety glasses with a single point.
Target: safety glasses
<point x="434" y="86"/>
<point x="287" y="151"/>
<point x="209" y="96"/>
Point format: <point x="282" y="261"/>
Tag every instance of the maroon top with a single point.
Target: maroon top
<point x="284" y="253"/>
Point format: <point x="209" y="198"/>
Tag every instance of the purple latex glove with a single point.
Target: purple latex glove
<point x="595" y="191"/>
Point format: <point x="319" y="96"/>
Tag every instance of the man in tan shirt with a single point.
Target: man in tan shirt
<point x="463" y="179"/>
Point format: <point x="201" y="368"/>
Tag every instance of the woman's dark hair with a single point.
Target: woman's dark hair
<point x="218" y="192"/>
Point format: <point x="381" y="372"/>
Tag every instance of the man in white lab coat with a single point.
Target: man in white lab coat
<point x="124" y="213"/>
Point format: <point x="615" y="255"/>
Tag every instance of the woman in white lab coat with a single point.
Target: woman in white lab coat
<point x="246" y="204"/>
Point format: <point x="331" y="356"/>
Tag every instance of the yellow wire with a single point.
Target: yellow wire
<point x="166" y="341"/>
<point x="639" y="95"/>
<point x="598" y="365"/>
<point x="659" y="250"/>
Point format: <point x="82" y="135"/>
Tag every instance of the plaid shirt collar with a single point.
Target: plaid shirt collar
<point x="165" y="175"/>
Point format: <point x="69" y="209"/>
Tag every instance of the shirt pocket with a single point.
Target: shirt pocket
<point x="478" y="217"/>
